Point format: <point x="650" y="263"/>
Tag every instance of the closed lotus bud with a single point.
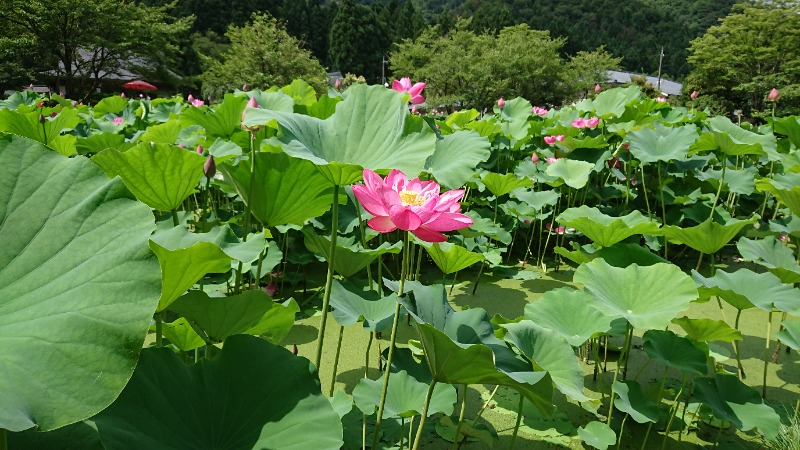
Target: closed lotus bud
<point x="774" y="95"/>
<point x="210" y="167"/>
<point x="41" y="118"/>
<point x="501" y="103"/>
<point x="337" y="84"/>
<point x="122" y="94"/>
<point x="200" y="150"/>
<point x="534" y="158"/>
<point x="294" y="349"/>
<point x="694" y="95"/>
<point x="190" y="98"/>
<point x="74" y="103"/>
<point x="40" y="105"/>
<point x="53" y="114"/>
<point x="252" y="103"/>
<point x="245" y="87"/>
<point x="597" y="88"/>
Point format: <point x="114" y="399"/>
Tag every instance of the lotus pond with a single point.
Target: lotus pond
<point x="290" y="271"/>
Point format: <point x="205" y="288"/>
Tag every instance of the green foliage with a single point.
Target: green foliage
<point x="262" y="54"/>
<point x="358" y="41"/>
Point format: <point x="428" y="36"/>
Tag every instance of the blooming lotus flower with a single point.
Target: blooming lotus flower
<point x="597" y="88"/>
<point x="414" y="205"/>
<point x="580" y="122"/>
<point x="404" y="85"/>
<point x="190" y="98"/>
<point x="117" y="120"/>
<point x="535" y="157"/>
<point x="592" y="122"/>
<point x="694" y="95"/>
<point x="539" y="111"/>
<point x="661" y="99"/>
<point x="774" y="95"/>
<point x="550" y="140"/>
<point x="181" y="145"/>
<point x="551" y="160"/>
<point x="501" y="103"/>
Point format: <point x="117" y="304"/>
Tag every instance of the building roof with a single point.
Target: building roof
<point x="668" y="87"/>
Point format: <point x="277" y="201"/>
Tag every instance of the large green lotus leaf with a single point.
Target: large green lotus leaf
<point x="675" y="351"/>
<point x="287" y="190"/>
<point x="181" y="334"/>
<point x="788" y="126"/>
<point x="582" y="322"/>
<point x="277" y="322"/>
<point x="451" y="258"/>
<point x="737" y="181"/>
<point x="734" y="401"/>
<point x="253" y="395"/>
<point x="114" y="104"/>
<point x="98" y="142"/>
<point x="605" y="230"/>
<point x="405" y="396"/>
<point x="276" y="101"/>
<point x="551" y="352"/>
<point x="503" y="184"/>
<point x="460" y="119"/>
<point x="732" y="140"/>
<point x="186" y="257"/>
<point x="351" y="257"/>
<point x="790" y="335"/>
<point x="301" y="92"/>
<point x="598" y="435"/>
<point x="78" y="286"/>
<point x="745" y="288"/>
<point x="708" y="237"/>
<point x="27" y="125"/>
<point x="165" y="133"/>
<point x="221" y="121"/>
<point x="78" y="436"/>
<point x="371" y="128"/>
<point x="160" y="175"/>
<point x="221" y="317"/>
<point x="661" y="143"/>
<point x="351" y="304"/>
<point x="537" y="200"/>
<point x="632" y="400"/>
<point x="595" y="142"/>
<point x="456" y="156"/>
<point x="786" y="188"/>
<point x="515" y="114"/>
<point x="707" y="330"/>
<point x="324" y="107"/>
<point x="772" y="254"/>
<point x="611" y="103"/>
<point x="647" y="297"/>
<point x="573" y="173"/>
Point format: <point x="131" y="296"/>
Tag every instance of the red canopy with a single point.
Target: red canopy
<point x="140" y="85"/>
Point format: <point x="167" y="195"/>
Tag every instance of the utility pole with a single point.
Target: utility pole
<point x="660" y="60"/>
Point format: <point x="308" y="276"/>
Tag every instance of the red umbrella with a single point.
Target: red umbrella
<point x="140" y="85"/>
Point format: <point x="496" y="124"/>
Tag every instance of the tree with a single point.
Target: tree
<point x="358" y="41"/>
<point x="750" y="52"/>
<point x="262" y="54"/>
<point x="80" y="40"/>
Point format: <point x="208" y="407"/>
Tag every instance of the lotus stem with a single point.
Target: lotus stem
<point x="766" y="356"/>
<point x="766" y="194"/>
<point x="478" y="278"/>
<point x="644" y="193"/>
<point x="683" y="415"/>
<point x="519" y="421"/>
<point x="796" y="409"/>
<point x="424" y="415"/>
<point x="3" y="439"/>
<point x="247" y="214"/>
<point x="660" y="392"/>
<point x="486" y="403"/>
<point x="621" y="428"/>
<point x="742" y="375"/>
<point x="453" y="284"/>
<point x="326" y="297"/>
<point x="778" y="341"/>
<point x="628" y="344"/>
<point x="402" y="429"/>
<point x="616" y="373"/>
<point x="159" y="317"/>
<point x="719" y="188"/>
<point x="336" y="360"/>
<point x="663" y="209"/>
<point x="457" y="439"/>
<point x="366" y="355"/>
<point x="388" y="368"/>
<point x="673" y="412"/>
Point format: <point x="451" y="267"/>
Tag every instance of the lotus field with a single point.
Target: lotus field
<point x="290" y="271"/>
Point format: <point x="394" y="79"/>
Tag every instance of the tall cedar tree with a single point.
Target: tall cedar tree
<point x="358" y="41"/>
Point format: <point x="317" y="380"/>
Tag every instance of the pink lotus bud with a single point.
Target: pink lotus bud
<point x="534" y="158"/>
<point x="694" y="95"/>
<point x="597" y="88"/>
<point x="40" y="105"/>
<point x="337" y="84"/>
<point x="784" y="238"/>
<point x="593" y="122"/>
<point x="200" y="150"/>
<point x="190" y="98"/>
<point x="551" y="160"/>
<point x="661" y="99"/>
<point x="245" y="87"/>
<point x="210" y="167"/>
<point x="549" y="140"/>
<point x="53" y="114"/>
<point x="74" y="103"/>
<point x="252" y="103"/>
<point x="774" y="95"/>
<point x="560" y="138"/>
<point x="501" y="103"/>
<point x="122" y="94"/>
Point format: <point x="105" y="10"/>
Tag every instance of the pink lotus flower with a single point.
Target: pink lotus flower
<point x="122" y="94"/>
<point x="774" y="95"/>
<point x="404" y="85"/>
<point x="661" y="99"/>
<point x="592" y="122"/>
<point x="550" y="140"/>
<point x="535" y="157"/>
<point x="181" y="145"/>
<point x="200" y="150"/>
<point x="195" y="101"/>
<point x="414" y="110"/>
<point x="501" y="103"/>
<point x="694" y="95"/>
<point x="550" y="160"/>
<point x="413" y="205"/>
<point x="252" y="103"/>
<point x="271" y="289"/>
<point x="558" y="230"/>
<point x="117" y="120"/>
<point x="337" y="84"/>
<point x="541" y="112"/>
<point x="597" y="88"/>
<point x="580" y="122"/>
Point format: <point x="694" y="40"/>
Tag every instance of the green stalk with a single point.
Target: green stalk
<point x="336" y="360"/>
<point x="766" y="356"/>
<point x="673" y="412"/>
<point x="247" y="214"/>
<point x="663" y="209"/>
<point x="644" y="194"/>
<point x="736" y="348"/>
<point x="382" y="403"/>
<point x="364" y="242"/>
<point x="660" y="392"/>
<point x="326" y="297"/>
<point x="616" y="373"/>
<point x="621" y="429"/>
<point x="486" y="403"/>
<point x="457" y="439"/>
<point x="519" y="421"/>
<point x="424" y="415"/>
<point x="719" y="188"/>
<point x="402" y="429"/>
<point x="366" y="355"/>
